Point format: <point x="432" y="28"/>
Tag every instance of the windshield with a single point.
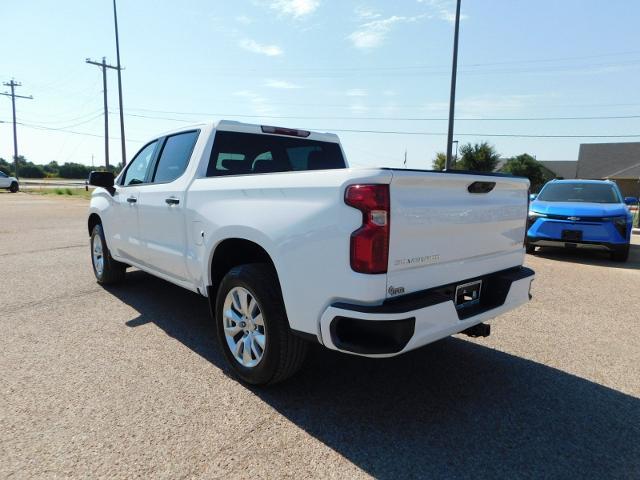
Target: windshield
<point x="579" y="192"/>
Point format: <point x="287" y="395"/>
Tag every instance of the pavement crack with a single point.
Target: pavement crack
<point x="25" y="252"/>
<point x="16" y="307"/>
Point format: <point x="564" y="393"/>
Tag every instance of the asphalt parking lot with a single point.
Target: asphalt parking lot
<point x="128" y="381"/>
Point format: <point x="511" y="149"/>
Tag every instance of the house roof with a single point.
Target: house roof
<point x="609" y="160"/>
<point x="562" y="168"/>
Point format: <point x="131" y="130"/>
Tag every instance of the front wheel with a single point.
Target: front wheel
<point x="252" y="326"/>
<point x="105" y="268"/>
<point x="14" y="187"/>
<point x="531" y="249"/>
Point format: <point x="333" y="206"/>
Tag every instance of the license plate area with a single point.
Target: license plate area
<point x="572" y="235"/>
<point x="468" y="294"/>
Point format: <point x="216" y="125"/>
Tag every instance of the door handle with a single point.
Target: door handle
<point x="172" y="201"/>
<point x="132" y="199"/>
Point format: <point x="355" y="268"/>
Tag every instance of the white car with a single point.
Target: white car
<point x="10" y="183"/>
<point x="290" y="245"/>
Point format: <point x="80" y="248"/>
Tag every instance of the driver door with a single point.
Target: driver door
<point x="123" y="236"/>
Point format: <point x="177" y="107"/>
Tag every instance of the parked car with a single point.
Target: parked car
<point x="10" y="183"/>
<point x="581" y="214"/>
<point x="291" y="245"/>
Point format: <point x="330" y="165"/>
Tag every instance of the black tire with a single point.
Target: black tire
<point x="620" y="254"/>
<point x="112" y="270"/>
<point x="284" y="353"/>
<point x="531" y="249"/>
<point x="14" y="187"/>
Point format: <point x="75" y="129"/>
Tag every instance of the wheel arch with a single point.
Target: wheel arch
<point x="94" y="219"/>
<point x="232" y="252"/>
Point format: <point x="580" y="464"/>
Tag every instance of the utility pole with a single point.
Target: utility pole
<point x="452" y="99"/>
<point x="115" y="22"/>
<point x="104" y="67"/>
<point x="13" y="84"/>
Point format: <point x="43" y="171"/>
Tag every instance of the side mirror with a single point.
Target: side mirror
<point x="631" y="200"/>
<point x="102" y="179"/>
<point x="533" y="196"/>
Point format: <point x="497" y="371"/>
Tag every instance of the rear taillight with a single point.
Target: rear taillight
<point x="370" y="243"/>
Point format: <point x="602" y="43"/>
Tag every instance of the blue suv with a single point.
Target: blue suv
<point x="581" y="214"/>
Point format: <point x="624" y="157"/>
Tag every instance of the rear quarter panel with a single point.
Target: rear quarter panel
<point x="301" y="220"/>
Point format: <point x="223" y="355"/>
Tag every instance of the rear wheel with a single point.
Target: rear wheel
<point x="14" y="187"/>
<point x="531" y="249"/>
<point x="105" y="268"/>
<point x="620" y="254"/>
<point x="252" y="326"/>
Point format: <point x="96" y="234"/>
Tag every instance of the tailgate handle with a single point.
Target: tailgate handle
<point x="481" y="187"/>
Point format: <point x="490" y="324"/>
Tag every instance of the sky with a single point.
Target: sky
<point x="532" y="75"/>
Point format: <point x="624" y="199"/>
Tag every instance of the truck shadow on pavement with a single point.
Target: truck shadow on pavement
<point x="591" y="257"/>
<point x="453" y="409"/>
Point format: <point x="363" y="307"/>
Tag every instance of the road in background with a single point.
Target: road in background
<point x="37" y="183"/>
<point x="128" y="381"/>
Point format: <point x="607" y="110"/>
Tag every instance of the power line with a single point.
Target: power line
<point x="57" y="122"/>
<point x="83" y="122"/>
<point x="379" y="132"/>
<point x="13" y="84"/>
<point x="63" y="130"/>
<point x="413" y="119"/>
<point x="435" y="134"/>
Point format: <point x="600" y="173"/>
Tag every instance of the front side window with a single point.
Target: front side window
<point x="236" y="153"/>
<point x="579" y="192"/>
<point x="137" y="171"/>
<point x="3" y="175"/>
<point x="175" y="156"/>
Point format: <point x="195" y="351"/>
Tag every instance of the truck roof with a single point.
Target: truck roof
<point x="234" y="126"/>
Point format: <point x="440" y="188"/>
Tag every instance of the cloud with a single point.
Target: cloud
<point x="365" y="13"/>
<point x="444" y="9"/>
<point x="295" y="8"/>
<point x="372" y="34"/>
<point x="282" y="84"/>
<point x="255" y="47"/>
<point x="356" y="92"/>
<point x="244" y="20"/>
<point x="259" y="103"/>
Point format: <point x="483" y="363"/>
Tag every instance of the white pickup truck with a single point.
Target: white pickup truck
<point x="290" y="245"/>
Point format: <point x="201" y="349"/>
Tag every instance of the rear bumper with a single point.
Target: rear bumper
<point x="412" y="321"/>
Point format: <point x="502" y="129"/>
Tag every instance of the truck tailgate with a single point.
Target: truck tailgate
<point x="441" y="233"/>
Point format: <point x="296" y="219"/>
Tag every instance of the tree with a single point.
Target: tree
<point x="6" y="167"/>
<point x="440" y="161"/>
<point x="74" y="170"/>
<point x="525" y="165"/>
<point x="480" y="157"/>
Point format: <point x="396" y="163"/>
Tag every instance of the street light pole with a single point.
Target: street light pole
<point x="119" y="67"/>
<point x="452" y="99"/>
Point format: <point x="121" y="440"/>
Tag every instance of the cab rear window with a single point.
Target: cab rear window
<point x="237" y="153"/>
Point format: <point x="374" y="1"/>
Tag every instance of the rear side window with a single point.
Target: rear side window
<point x="243" y="153"/>
<point x="175" y="156"/>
